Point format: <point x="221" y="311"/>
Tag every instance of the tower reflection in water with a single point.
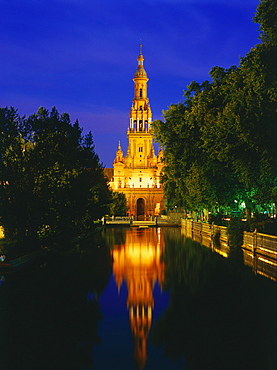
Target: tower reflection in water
<point x="138" y="262"/>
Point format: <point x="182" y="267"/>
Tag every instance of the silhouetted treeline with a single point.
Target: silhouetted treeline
<point x="52" y="183"/>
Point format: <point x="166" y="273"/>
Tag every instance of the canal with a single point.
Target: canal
<point x="138" y="298"/>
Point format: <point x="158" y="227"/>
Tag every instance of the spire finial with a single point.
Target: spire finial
<point x="140" y="47"/>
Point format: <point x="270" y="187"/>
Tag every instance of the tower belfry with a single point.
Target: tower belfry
<point x="137" y="174"/>
<point x="140" y="114"/>
<point x="140" y="136"/>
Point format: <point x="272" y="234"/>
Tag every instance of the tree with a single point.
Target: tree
<point x="192" y="178"/>
<point x="266" y="17"/>
<point x="118" y="207"/>
<point x="55" y="181"/>
<point x="220" y="142"/>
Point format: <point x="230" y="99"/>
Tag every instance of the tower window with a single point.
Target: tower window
<point x="140" y="93"/>
<point x="140" y="149"/>
<point x="140" y="179"/>
<point x="140" y="107"/>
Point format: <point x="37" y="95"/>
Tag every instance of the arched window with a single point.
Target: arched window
<point x="140" y="93"/>
<point x="140" y="149"/>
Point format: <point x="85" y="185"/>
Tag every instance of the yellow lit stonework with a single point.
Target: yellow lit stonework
<point x="137" y="174"/>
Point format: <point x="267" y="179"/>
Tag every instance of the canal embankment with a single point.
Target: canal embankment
<point x="259" y="250"/>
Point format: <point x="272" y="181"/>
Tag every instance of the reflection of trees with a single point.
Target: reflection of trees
<point x="185" y="262"/>
<point x="214" y="317"/>
<point x="53" y="311"/>
<point x="114" y="236"/>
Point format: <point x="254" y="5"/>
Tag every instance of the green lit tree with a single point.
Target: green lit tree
<point x="118" y="206"/>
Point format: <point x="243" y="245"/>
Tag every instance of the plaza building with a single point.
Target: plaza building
<point x="137" y="174"/>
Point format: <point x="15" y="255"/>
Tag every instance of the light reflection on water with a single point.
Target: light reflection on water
<point x="149" y="296"/>
<point x="132" y="301"/>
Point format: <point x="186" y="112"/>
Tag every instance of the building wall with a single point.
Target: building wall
<point x="152" y="201"/>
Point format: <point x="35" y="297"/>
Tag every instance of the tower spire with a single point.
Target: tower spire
<point x="140" y="114"/>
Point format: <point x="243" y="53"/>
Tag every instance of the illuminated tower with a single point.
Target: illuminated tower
<point x="140" y="137"/>
<point x="137" y="174"/>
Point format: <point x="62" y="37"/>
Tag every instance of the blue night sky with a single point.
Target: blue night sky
<point x="80" y="55"/>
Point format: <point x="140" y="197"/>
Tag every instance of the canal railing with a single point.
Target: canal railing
<point x="116" y="220"/>
<point x="211" y="236"/>
<point x="151" y="221"/>
<point x="259" y="250"/>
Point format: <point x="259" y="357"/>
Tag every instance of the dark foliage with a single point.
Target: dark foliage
<point x="53" y="186"/>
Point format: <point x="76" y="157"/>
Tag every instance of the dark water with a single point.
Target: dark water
<point x="138" y="298"/>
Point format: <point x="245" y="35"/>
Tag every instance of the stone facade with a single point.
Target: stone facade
<point x="137" y="174"/>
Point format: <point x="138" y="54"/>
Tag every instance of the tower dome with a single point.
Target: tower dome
<point x="140" y="72"/>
